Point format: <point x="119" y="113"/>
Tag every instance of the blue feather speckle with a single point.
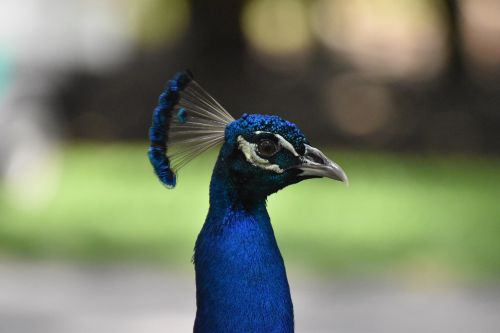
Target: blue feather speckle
<point x="182" y="115"/>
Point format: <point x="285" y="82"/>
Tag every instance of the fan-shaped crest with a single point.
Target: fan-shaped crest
<point x="186" y="122"/>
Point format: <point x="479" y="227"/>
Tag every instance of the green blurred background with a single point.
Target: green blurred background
<point x="416" y="215"/>
<point x="404" y="95"/>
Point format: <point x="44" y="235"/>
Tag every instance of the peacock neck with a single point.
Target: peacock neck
<point x="240" y="276"/>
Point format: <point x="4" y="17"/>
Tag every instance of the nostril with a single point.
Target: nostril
<point x="315" y="158"/>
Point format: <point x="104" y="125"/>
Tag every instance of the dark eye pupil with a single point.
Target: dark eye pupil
<point x="267" y="148"/>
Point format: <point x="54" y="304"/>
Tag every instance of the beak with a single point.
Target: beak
<point x="315" y="163"/>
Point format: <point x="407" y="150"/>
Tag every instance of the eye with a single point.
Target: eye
<point x="267" y="148"/>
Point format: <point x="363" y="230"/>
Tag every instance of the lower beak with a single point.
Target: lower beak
<point x="314" y="163"/>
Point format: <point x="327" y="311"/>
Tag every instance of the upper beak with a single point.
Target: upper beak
<point x="315" y="163"/>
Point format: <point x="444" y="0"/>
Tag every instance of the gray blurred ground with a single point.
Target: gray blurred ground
<point x="62" y="298"/>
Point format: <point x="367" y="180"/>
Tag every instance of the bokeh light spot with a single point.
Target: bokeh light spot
<point x="389" y="38"/>
<point x="277" y="27"/>
<point x="156" y="22"/>
<point x="358" y="107"/>
<point x="481" y="29"/>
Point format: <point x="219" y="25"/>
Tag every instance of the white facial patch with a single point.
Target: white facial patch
<point x="250" y="151"/>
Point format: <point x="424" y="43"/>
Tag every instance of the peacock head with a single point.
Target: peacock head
<point x="265" y="153"/>
<point x="261" y="154"/>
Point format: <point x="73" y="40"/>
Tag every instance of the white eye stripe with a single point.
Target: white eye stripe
<point x="249" y="150"/>
<point x="283" y="142"/>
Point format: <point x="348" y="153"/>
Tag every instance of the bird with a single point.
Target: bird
<point x="241" y="281"/>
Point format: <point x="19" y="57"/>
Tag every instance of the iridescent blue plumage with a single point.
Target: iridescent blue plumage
<point x="158" y="132"/>
<point x="181" y="115"/>
<point x="251" y="123"/>
<point x="241" y="282"/>
<point x="187" y="116"/>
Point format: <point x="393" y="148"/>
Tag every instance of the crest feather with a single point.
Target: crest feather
<point x="186" y="122"/>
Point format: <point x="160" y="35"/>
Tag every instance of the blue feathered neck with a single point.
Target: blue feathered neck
<point x="240" y="276"/>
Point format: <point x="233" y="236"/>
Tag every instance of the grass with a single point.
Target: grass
<point x="411" y="214"/>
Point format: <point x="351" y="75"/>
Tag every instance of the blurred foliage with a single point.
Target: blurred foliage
<point x="158" y="22"/>
<point x="412" y="214"/>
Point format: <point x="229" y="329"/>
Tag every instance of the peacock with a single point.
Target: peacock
<point x="241" y="282"/>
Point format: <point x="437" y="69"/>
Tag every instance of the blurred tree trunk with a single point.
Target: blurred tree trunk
<point x="216" y="37"/>
<point x="217" y="24"/>
<point x="456" y="70"/>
